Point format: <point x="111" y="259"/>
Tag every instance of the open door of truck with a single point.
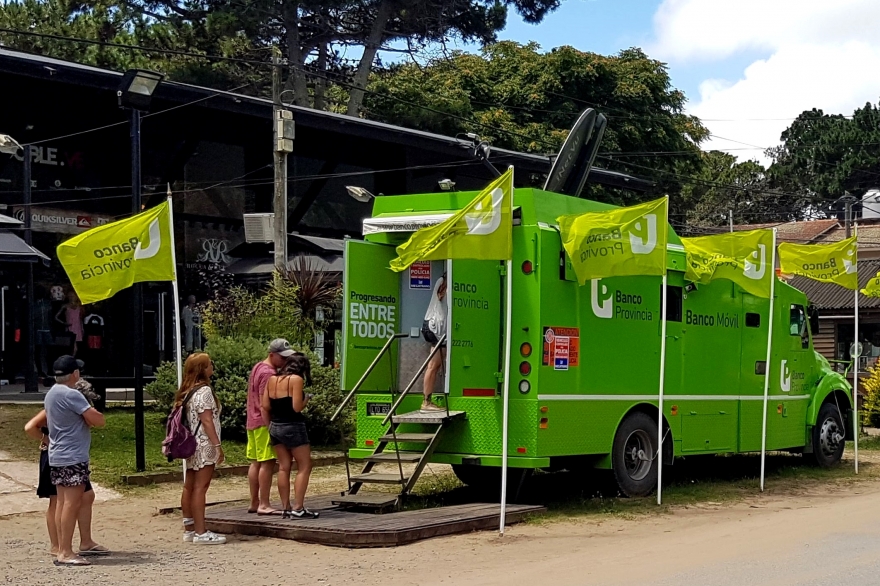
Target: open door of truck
<point x="371" y="308"/>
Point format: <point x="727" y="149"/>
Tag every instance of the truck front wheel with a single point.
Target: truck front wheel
<point x="633" y="456"/>
<point x="828" y="436"/>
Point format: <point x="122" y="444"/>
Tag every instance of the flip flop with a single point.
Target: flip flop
<point x="259" y="514"/>
<point x="97" y="550"/>
<point x="252" y="511"/>
<point x="75" y="562"/>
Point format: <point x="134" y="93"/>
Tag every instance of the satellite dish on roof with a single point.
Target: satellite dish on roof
<point x="572" y="166"/>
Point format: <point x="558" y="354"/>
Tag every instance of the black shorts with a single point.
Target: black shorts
<point x="45" y="488"/>
<point x="430" y="337"/>
<point x="290" y="435"/>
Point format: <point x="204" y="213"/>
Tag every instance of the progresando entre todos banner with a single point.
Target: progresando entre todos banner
<point x="742" y="257"/>
<point x="617" y="242"/>
<point x="827" y="263"/>
<point x="109" y="258"/>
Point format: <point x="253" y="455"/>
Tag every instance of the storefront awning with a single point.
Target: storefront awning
<point x="14" y="249"/>
<point x="265" y="265"/>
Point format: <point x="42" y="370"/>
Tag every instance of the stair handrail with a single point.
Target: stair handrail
<point x="405" y="392"/>
<point x="367" y="372"/>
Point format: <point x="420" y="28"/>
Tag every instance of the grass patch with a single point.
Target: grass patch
<point x="113" y="446"/>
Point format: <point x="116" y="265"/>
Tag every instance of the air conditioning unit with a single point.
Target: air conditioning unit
<point x="259" y="227"/>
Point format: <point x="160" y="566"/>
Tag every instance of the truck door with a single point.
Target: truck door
<point x="371" y="310"/>
<point x="475" y="327"/>
<point x="789" y="387"/>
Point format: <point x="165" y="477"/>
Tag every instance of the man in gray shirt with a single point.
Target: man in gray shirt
<point x="69" y="416"/>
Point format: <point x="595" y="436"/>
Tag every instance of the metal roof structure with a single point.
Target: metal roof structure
<point x="827" y="296"/>
<point x="47" y="68"/>
<point x="14" y="249"/>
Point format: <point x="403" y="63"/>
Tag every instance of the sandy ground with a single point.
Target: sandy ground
<point x="824" y="534"/>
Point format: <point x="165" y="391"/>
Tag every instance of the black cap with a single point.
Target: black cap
<point x="66" y="365"/>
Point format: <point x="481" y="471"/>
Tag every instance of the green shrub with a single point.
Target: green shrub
<point x="233" y="360"/>
<point x="871" y="397"/>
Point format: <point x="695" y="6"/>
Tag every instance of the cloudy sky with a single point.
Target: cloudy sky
<point x="748" y="67"/>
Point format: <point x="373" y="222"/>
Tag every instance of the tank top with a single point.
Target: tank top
<point x="282" y="408"/>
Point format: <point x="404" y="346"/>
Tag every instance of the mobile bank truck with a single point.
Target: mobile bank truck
<point x="584" y="370"/>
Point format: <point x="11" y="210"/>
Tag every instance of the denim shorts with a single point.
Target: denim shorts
<point x="290" y="435"/>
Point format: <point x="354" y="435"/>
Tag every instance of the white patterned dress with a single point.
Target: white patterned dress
<point x="206" y="454"/>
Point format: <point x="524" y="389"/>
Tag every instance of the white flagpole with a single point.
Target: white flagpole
<point x="177" y="346"/>
<point x="662" y="368"/>
<point x="660" y="393"/>
<point x="178" y="355"/>
<point x="506" y="400"/>
<point x="772" y="268"/>
<point x="508" y="327"/>
<point x="856" y="361"/>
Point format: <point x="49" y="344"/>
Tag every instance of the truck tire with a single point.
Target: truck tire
<point x="633" y="455"/>
<point x="828" y="436"/>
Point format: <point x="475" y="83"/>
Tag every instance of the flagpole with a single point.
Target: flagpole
<point x="772" y="268"/>
<point x="856" y="361"/>
<point x="177" y="347"/>
<point x="660" y="393"/>
<point x="178" y="355"/>
<point x="662" y="387"/>
<point x="505" y="417"/>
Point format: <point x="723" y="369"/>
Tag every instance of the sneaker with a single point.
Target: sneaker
<point x="208" y="538"/>
<point x="302" y="513"/>
<point x="188" y="536"/>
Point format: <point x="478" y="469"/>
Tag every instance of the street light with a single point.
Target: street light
<point x="9" y="145"/>
<point x="136" y="93"/>
<point x="359" y="193"/>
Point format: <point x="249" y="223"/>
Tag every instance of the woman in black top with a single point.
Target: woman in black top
<point x="282" y="404"/>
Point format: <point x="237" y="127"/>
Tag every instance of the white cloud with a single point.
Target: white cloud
<point x="821" y="55"/>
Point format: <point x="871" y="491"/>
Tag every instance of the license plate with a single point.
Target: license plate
<point x="378" y="408"/>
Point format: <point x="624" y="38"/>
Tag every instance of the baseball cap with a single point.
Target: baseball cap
<point x="281" y="347"/>
<point x="66" y="365"/>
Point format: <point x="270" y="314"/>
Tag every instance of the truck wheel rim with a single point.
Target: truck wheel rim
<point x="828" y="437"/>
<point x="637" y="453"/>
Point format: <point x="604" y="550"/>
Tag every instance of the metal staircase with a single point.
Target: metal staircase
<point x="423" y="428"/>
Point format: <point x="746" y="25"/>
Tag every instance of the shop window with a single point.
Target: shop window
<point x="798" y="325"/>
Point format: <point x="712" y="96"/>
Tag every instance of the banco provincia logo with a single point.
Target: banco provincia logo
<point x="784" y="377"/>
<point x="849" y="263"/>
<point x="482" y="222"/>
<point x="646" y="244"/>
<point x="600" y="302"/>
<point x="756" y="264"/>
<point x="155" y="236"/>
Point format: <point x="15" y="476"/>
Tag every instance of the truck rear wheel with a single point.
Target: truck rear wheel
<point x="828" y="436"/>
<point x="633" y="455"/>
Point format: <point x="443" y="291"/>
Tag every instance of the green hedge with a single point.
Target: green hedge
<point x="233" y="361"/>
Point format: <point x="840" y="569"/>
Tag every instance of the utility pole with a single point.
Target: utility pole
<point x="848" y="201"/>
<point x="137" y="302"/>
<point x="282" y="145"/>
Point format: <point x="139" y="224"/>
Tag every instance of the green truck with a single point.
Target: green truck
<point x="585" y="360"/>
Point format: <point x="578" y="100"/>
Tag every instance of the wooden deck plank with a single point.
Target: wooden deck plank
<point x="346" y="528"/>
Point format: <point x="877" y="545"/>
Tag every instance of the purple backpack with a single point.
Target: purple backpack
<point x="180" y="442"/>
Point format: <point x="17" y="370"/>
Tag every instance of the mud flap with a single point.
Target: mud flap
<point x="848" y="419"/>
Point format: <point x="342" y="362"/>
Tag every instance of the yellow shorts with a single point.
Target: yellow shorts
<point x="259" y="447"/>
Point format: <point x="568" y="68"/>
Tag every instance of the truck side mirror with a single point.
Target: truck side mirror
<point x="814" y="320"/>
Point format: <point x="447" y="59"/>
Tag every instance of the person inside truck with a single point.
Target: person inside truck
<point x="433" y="330"/>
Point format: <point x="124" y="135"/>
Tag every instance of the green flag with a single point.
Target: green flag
<point x="622" y="241"/>
<point x="828" y="263"/>
<point x="481" y="230"/>
<point x="742" y="257"/>
<point x="109" y="258"/>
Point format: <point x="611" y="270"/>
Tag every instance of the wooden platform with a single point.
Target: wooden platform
<point x="347" y="528"/>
